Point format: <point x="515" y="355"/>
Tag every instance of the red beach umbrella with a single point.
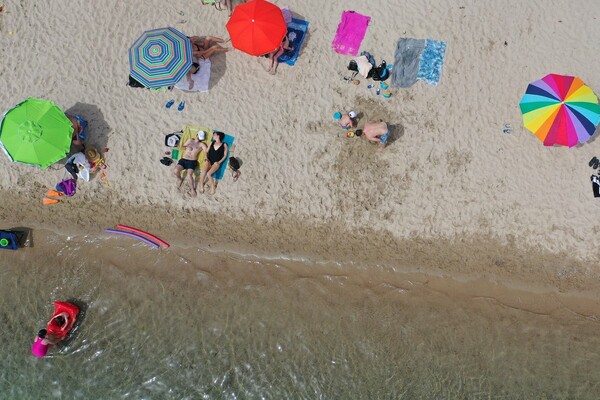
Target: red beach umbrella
<point x="256" y="27"/>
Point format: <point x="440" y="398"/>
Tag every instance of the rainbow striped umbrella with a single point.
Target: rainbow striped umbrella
<point x="160" y="57"/>
<point x="560" y="109"/>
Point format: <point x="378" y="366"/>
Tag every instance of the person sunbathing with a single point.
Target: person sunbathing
<point x="79" y="134"/>
<point x="215" y="156"/>
<point x="205" y="47"/>
<point x="374" y="131"/>
<point x="195" y="68"/>
<point x="271" y="65"/>
<point x="189" y="161"/>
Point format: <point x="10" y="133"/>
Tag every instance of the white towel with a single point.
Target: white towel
<point x="201" y="78"/>
<point x="364" y="66"/>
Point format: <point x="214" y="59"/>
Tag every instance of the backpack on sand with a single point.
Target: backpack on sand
<point x="67" y="186"/>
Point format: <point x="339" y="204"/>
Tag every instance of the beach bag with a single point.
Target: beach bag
<point x="67" y="186"/>
<point x="353" y="66"/>
<point x="134" y="83"/>
<point x="380" y="73"/>
<point x="234" y="163"/>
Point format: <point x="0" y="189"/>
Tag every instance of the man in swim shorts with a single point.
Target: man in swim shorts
<point x="378" y="132"/>
<point x="189" y="161"/>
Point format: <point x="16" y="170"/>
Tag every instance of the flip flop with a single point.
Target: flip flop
<point x="170" y="103"/>
<point x="54" y="193"/>
<point x="181" y="106"/>
<point x="46" y="201"/>
<point x="593" y="163"/>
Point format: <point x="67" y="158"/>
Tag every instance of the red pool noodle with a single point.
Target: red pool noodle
<point x="150" y="242"/>
<point x="146" y="234"/>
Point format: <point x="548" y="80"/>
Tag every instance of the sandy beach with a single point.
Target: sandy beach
<point x="459" y="262"/>
<point x="452" y="194"/>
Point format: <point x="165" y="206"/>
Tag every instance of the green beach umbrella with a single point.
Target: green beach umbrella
<point x="36" y="132"/>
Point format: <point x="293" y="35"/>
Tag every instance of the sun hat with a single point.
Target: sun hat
<point x="201" y="135"/>
<point x="352" y="114"/>
<point x="92" y="155"/>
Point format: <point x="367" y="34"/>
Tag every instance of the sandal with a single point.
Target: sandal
<point x="216" y="3"/>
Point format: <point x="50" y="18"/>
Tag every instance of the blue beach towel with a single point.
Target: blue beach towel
<point x="221" y="171"/>
<point x="432" y="62"/>
<point x="296" y="34"/>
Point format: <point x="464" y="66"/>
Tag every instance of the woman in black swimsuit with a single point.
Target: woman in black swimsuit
<point x="215" y="156"/>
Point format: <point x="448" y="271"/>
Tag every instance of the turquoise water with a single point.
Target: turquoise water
<point x="186" y="324"/>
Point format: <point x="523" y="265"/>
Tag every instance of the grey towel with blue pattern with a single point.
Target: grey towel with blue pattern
<point x="406" y="62"/>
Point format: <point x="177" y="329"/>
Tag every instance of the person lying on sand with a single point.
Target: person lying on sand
<point x="205" y="47"/>
<point x="270" y="65"/>
<point x="189" y="161"/>
<point x="376" y="132"/>
<point x="215" y="156"/>
<point x="195" y="68"/>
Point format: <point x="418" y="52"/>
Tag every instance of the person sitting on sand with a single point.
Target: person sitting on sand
<point x="271" y="64"/>
<point x="79" y="134"/>
<point x="376" y="132"/>
<point x="349" y="120"/>
<point x="215" y="156"/>
<point x="189" y="161"/>
<point x="205" y="47"/>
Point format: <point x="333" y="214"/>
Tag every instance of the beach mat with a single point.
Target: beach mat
<point x="350" y="33"/>
<point x="407" y="59"/>
<point x="201" y="78"/>
<point x="297" y="29"/>
<point x="432" y="62"/>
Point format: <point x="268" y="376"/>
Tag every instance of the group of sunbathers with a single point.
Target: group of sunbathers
<point x="216" y="154"/>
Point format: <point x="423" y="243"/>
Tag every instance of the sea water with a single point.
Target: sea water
<point x="190" y="324"/>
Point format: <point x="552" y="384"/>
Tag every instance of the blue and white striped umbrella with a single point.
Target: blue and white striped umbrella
<point x="160" y="57"/>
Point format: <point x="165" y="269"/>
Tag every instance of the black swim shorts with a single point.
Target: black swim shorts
<point x="188" y="164"/>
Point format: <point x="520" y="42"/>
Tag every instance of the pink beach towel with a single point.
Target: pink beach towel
<point x="350" y="33"/>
